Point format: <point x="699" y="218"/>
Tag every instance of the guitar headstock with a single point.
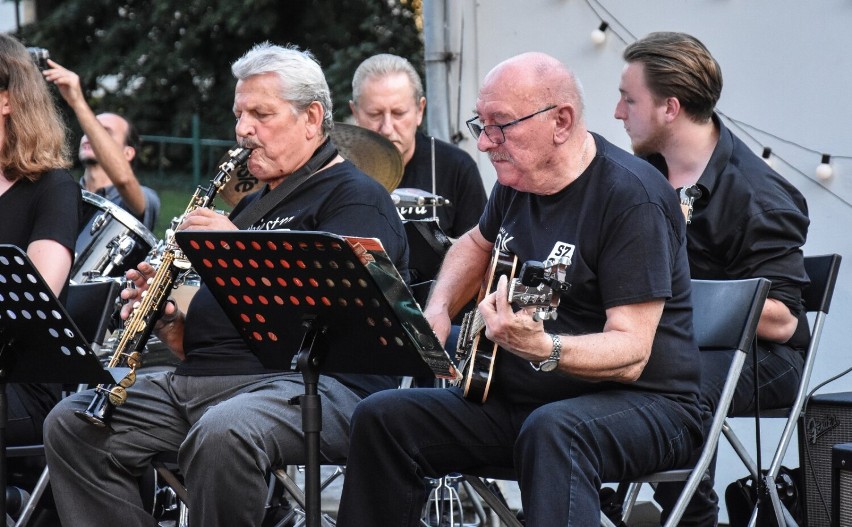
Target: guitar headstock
<point x="540" y="285"/>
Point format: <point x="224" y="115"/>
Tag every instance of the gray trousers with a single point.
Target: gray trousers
<point x="228" y="432"/>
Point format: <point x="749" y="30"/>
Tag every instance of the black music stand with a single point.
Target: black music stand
<point x="316" y="301"/>
<point x="39" y="342"/>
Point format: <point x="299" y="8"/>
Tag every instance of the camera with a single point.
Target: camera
<point x="40" y="56"/>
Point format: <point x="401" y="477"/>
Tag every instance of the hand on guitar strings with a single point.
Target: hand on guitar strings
<point x="515" y="331"/>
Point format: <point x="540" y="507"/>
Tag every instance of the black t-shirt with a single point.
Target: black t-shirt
<point x="621" y="224"/>
<point x="45" y="209"/>
<point x="749" y="222"/>
<point x="341" y="200"/>
<point x="456" y="179"/>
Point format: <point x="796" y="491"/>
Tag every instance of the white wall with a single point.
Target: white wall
<point x="7" y="16"/>
<point x="787" y="69"/>
<point x="26" y="10"/>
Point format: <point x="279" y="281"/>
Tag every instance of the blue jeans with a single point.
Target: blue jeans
<point x="561" y="451"/>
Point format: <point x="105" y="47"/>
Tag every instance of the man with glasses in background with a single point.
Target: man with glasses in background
<point x="605" y="392"/>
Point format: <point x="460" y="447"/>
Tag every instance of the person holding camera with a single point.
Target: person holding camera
<point x="106" y="150"/>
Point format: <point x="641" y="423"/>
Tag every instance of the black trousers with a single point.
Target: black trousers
<point x="561" y="451"/>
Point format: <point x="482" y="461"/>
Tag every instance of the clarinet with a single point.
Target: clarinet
<point x="146" y="311"/>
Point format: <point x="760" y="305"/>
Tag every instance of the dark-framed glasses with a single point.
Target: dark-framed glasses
<point x="494" y="132"/>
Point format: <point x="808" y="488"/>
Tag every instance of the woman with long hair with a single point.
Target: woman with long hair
<point x="39" y="205"/>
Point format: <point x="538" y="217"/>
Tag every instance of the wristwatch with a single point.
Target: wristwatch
<point x="550" y="363"/>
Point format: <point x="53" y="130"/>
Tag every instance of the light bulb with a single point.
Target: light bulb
<point x="824" y="170"/>
<point x="599" y="35"/>
<point x="767" y="155"/>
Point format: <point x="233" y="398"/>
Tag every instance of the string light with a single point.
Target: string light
<point x="767" y="155"/>
<point x="824" y="171"/>
<point x="599" y="35"/>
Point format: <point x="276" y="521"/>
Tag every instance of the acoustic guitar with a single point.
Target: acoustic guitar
<point x="538" y="285"/>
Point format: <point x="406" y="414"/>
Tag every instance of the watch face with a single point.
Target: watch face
<point x="548" y="365"/>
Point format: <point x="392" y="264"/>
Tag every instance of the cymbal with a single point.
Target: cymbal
<point x="371" y="152"/>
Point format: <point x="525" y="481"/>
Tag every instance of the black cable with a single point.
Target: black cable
<point x="781" y="139"/>
<point x="741" y="126"/>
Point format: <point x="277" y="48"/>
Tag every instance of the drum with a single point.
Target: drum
<point x="111" y="242"/>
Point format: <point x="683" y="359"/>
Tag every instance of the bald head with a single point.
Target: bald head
<point x="531" y="112"/>
<point x="535" y="78"/>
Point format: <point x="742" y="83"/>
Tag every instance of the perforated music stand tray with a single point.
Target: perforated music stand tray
<point x="332" y="303"/>
<point x="38" y="340"/>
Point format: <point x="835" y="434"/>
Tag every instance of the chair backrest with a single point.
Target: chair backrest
<point x="725" y="317"/>
<point x="726" y="312"/>
<point x="822" y="270"/>
<point x="91" y="306"/>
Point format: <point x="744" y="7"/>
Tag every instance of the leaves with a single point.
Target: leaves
<point x="161" y="62"/>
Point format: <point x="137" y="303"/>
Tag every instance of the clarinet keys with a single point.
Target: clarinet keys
<point x="117" y="395"/>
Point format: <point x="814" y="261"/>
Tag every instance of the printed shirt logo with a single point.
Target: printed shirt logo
<point x="502" y="242"/>
<point x="561" y="250"/>
<point x="271" y="225"/>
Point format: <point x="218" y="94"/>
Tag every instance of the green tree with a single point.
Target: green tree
<point x="159" y="62"/>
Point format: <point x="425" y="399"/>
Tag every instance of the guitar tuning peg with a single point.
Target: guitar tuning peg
<point x="532" y="273"/>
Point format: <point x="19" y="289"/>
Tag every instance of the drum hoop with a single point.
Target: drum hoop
<point x="124" y="217"/>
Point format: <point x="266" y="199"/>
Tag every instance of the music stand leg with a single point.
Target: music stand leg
<point x="308" y="363"/>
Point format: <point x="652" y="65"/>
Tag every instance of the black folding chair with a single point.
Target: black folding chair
<point x="822" y="271"/>
<point x="725" y="316"/>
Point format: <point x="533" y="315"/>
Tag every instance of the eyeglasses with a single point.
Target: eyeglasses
<point x="494" y="132"/>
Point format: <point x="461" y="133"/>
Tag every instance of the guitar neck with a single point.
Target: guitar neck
<point x="477" y="323"/>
